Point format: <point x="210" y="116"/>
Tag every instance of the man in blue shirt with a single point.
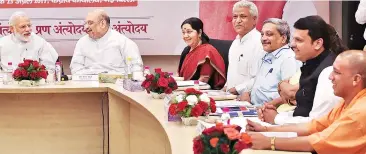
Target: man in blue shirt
<point x="278" y="64"/>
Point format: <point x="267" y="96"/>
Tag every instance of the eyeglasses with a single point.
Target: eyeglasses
<point x="90" y="23"/>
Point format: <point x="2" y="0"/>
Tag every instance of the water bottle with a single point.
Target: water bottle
<point x="129" y="68"/>
<point x="8" y="74"/>
<point x="58" y="71"/>
<point x="51" y="76"/>
<point x="146" y="70"/>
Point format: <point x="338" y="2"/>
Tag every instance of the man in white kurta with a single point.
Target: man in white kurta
<point x="23" y="44"/>
<point x="104" y="49"/>
<point x="246" y="52"/>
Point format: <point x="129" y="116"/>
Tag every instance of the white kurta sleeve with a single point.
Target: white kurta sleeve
<point x="361" y="12"/>
<point x="324" y="101"/>
<point x="254" y="67"/>
<point x="77" y="64"/>
<point x="130" y="49"/>
<point x="288" y="68"/>
<point x="48" y="55"/>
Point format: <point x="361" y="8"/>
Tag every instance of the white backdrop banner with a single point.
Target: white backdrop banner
<point x="153" y="25"/>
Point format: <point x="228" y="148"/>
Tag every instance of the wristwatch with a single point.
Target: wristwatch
<point x="273" y="143"/>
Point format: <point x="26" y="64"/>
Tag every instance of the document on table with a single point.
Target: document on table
<point x="233" y="103"/>
<point x="188" y="83"/>
<point x="242" y="122"/>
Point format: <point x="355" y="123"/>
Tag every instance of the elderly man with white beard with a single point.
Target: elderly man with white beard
<point x="22" y="44"/>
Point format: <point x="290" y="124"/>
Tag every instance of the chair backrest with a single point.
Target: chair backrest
<point x="223" y="47"/>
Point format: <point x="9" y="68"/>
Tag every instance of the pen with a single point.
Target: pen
<point x="270" y="71"/>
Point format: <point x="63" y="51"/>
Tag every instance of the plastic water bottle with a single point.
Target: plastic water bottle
<point x="58" y="71"/>
<point x="146" y="70"/>
<point x="51" y="76"/>
<point x="129" y="68"/>
<point x="8" y="74"/>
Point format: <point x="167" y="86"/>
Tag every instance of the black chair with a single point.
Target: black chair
<point x="223" y="47"/>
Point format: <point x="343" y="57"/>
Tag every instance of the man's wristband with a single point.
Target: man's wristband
<point x="273" y="143"/>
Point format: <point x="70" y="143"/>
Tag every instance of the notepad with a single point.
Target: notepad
<point x="85" y="77"/>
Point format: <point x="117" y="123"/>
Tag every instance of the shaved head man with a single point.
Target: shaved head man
<point x="97" y="24"/>
<point x="342" y="130"/>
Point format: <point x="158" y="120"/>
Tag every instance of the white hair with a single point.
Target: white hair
<point x="282" y="27"/>
<point x="253" y="10"/>
<point x="15" y="16"/>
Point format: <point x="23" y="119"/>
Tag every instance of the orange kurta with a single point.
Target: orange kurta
<point x="342" y="130"/>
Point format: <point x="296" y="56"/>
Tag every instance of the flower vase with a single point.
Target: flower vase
<point x="28" y="83"/>
<point x="192" y="121"/>
<point x="157" y="96"/>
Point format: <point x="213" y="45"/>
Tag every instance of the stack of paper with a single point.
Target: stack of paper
<point x="219" y="95"/>
<point x="233" y="103"/>
<point x="189" y="83"/>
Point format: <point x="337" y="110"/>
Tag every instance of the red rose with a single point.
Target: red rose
<point x="43" y="67"/>
<point x="162" y="82"/>
<point x="21" y="65"/>
<point x="33" y="75"/>
<point x="182" y="105"/>
<point x="38" y="74"/>
<point x="27" y="62"/>
<point x="43" y="74"/>
<point x="239" y="146"/>
<point x="17" y="73"/>
<point x="172" y="109"/>
<point x="172" y="83"/>
<point x="197" y="145"/>
<point x="212" y="105"/>
<point x="171" y="80"/>
<point x="209" y="131"/>
<point x="192" y="91"/>
<point x="203" y="105"/>
<point x="24" y="73"/>
<point x="196" y="111"/>
<point x="161" y="75"/>
<point x="224" y="148"/>
<point x="157" y="70"/>
<point x="35" y="64"/>
<point x="149" y="77"/>
<point x="146" y="84"/>
<point x="168" y="90"/>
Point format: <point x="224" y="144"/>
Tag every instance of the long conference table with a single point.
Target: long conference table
<point x="88" y="117"/>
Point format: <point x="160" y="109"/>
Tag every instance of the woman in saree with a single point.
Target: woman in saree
<point x="200" y="60"/>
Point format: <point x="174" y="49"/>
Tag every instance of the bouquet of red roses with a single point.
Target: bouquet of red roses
<point x="159" y="82"/>
<point x="221" y="139"/>
<point x="192" y="104"/>
<point x="30" y="70"/>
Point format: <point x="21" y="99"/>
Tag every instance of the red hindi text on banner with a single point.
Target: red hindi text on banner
<point x="65" y="3"/>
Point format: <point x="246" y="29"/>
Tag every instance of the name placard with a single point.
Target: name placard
<point x="85" y="77"/>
